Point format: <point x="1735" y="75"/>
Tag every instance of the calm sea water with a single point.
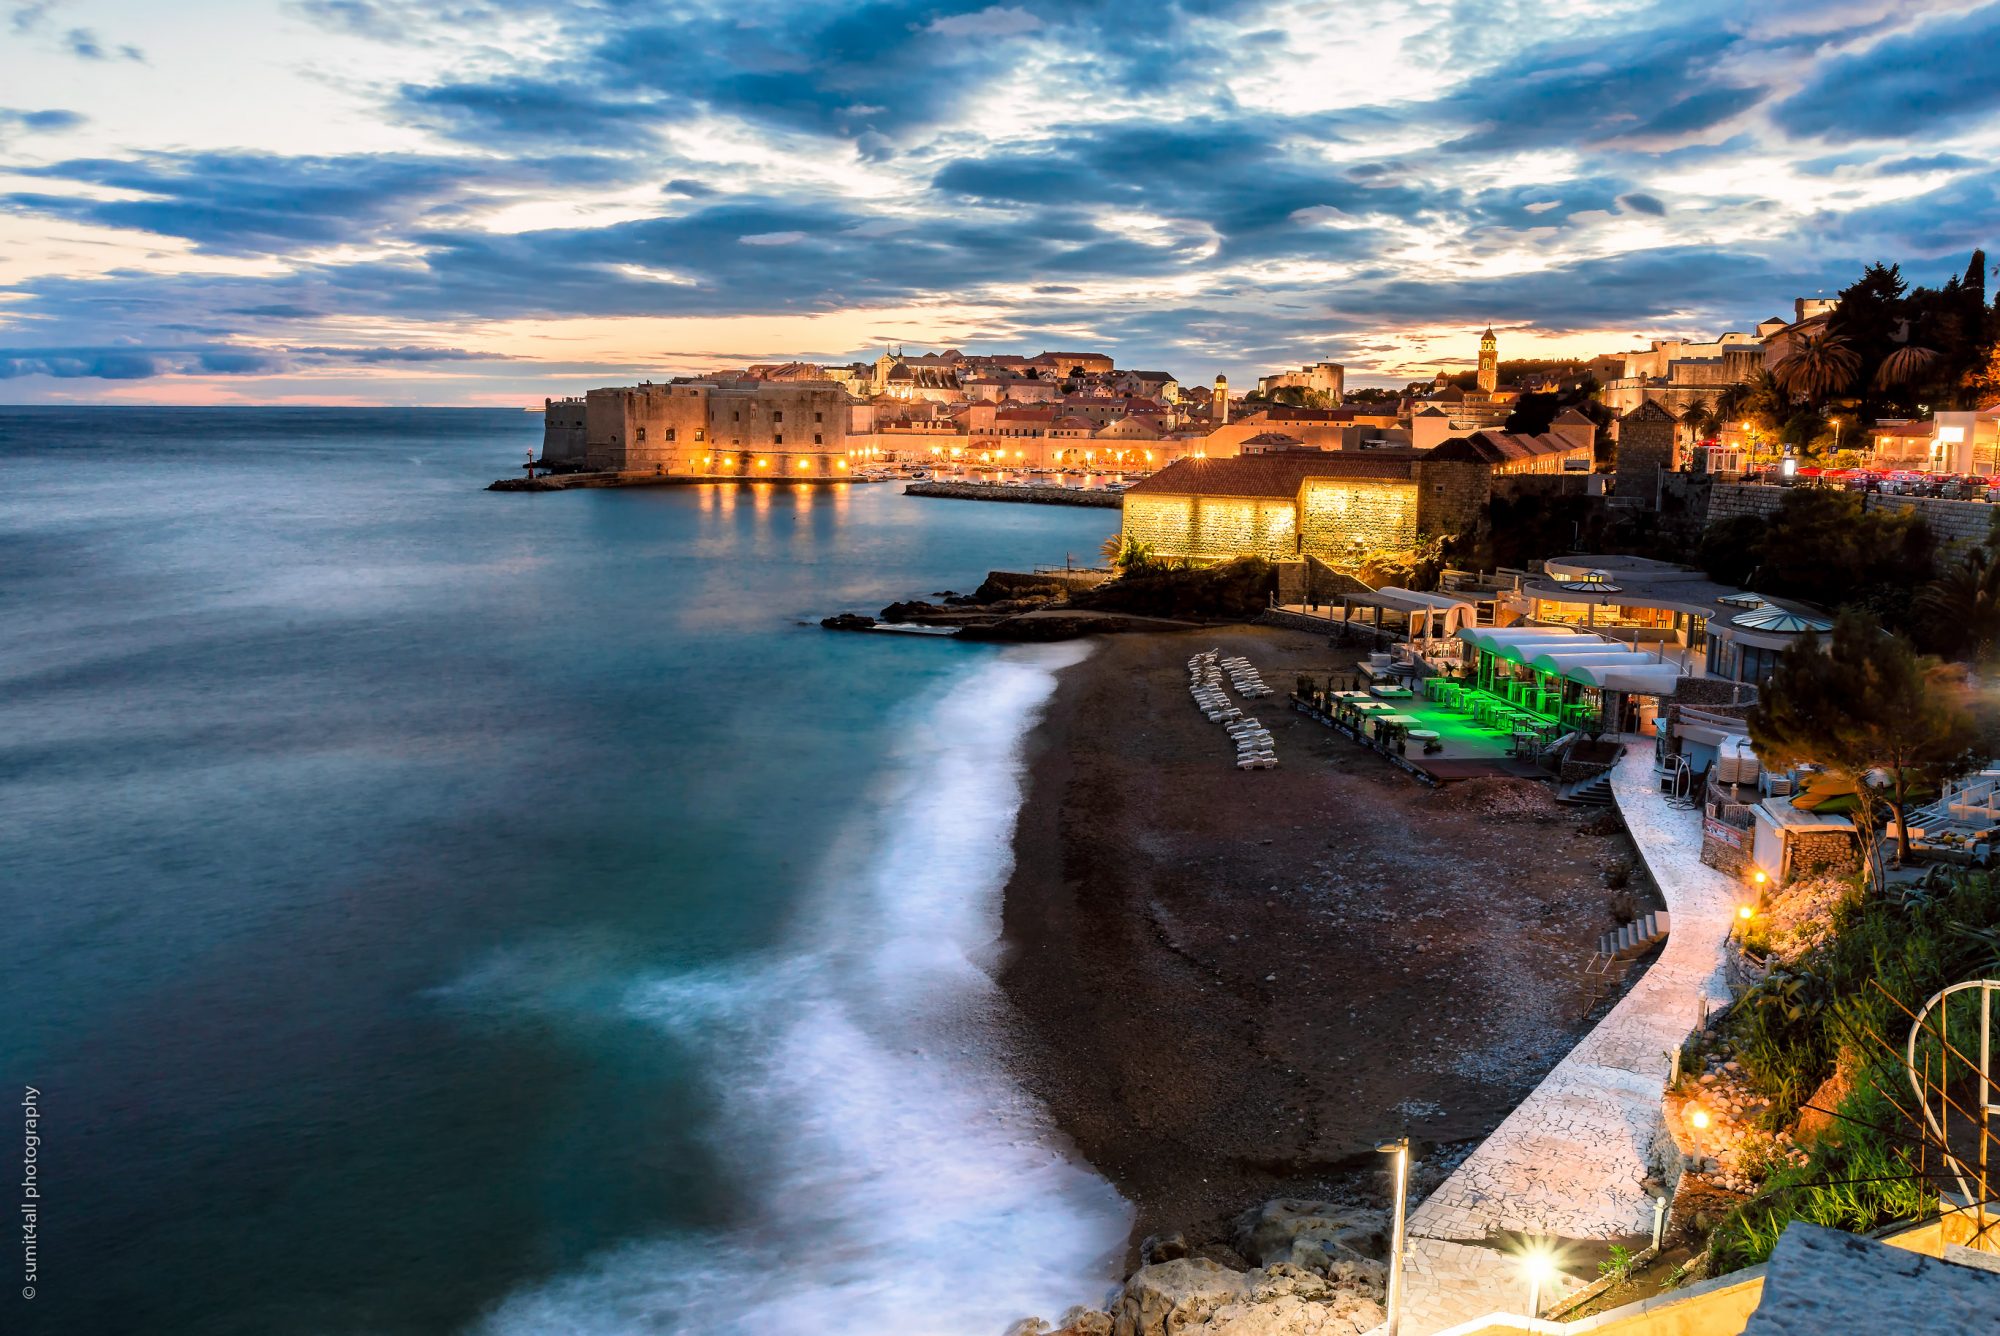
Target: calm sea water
<point x="438" y="911"/>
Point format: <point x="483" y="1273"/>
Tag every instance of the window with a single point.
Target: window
<point x="670" y="433"/>
<point x="1437" y="489"/>
<point x="700" y="434"/>
<point x="735" y="416"/>
<point x="819" y="417"/>
<point x="817" y="440"/>
<point x="642" y="434"/>
<point x="777" y="415"/>
<point x="777" y="438"/>
<point x="1757" y="662"/>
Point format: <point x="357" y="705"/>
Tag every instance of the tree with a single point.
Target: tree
<point x="1819" y="366"/>
<point x="1868" y="708"/>
<point x="1758" y="401"/>
<point x="1959" y="612"/>
<point x="1827" y="548"/>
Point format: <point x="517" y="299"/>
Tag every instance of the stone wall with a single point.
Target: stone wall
<point x="563" y="431"/>
<point x="1952" y="521"/>
<point x="1828" y="851"/>
<point x="1212" y="528"/>
<point x="1337" y="513"/>
<point x="1646" y="447"/>
<point x="1451" y="494"/>
<point x="780" y="429"/>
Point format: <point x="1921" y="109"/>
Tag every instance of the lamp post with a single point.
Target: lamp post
<point x="1540" y="1265"/>
<point x="1399" y="1173"/>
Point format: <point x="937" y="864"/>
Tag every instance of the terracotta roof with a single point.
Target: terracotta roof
<point x="1573" y="415"/>
<point x="1273" y="438"/>
<point x="1274" y="475"/>
<point x="1500" y="447"/>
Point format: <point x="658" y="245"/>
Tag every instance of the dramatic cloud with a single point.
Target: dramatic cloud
<point x="470" y="197"/>
<point x="1939" y="74"/>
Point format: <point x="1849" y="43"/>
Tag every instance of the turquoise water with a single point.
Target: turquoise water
<point x="440" y="911"/>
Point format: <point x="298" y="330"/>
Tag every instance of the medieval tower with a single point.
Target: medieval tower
<point x="1220" y="413"/>
<point x="1489" y="361"/>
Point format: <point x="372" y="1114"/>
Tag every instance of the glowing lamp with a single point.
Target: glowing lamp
<point x="1699" y="1118"/>
<point x="763" y="463"/>
<point x="804" y="464"/>
<point x="1760" y="878"/>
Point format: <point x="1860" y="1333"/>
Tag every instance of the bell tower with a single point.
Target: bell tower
<point x="1489" y="361"/>
<point x="1220" y="415"/>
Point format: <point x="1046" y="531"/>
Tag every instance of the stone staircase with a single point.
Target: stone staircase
<point x="1594" y="791"/>
<point x="1637" y="937"/>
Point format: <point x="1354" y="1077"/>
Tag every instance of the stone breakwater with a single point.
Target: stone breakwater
<point x="1034" y="495"/>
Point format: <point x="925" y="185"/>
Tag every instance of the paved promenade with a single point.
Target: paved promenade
<point x="1571" y="1159"/>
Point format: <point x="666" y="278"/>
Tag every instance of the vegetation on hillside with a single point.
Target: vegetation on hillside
<point x="1845" y="1007"/>
<point x="1228" y="591"/>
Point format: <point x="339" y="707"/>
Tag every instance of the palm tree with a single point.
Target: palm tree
<point x="1758" y="397"/>
<point x="1908" y="365"/>
<point x="1818" y="366"/>
<point x="1701" y="419"/>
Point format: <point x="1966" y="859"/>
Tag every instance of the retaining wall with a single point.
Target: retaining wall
<point x="1951" y="521"/>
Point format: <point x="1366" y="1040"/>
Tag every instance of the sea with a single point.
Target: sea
<point x="432" y="910"/>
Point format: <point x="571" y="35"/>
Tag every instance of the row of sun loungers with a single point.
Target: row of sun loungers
<point x="1254" y="748"/>
<point x="1245" y="679"/>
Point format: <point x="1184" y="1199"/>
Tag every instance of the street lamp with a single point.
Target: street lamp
<point x="1399" y="1172"/>
<point x="1538" y="1263"/>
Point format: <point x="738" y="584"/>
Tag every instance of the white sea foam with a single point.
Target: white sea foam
<point x="898" y="1183"/>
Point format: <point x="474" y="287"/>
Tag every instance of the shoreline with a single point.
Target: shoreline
<point x="1229" y="986"/>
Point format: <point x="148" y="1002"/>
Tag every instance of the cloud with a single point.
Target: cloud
<point x="129" y="363"/>
<point x="1639" y="202"/>
<point x="534" y="110"/>
<point x="50" y="121"/>
<point x="1935" y="76"/>
<point x="84" y="44"/>
<point x="254" y="204"/>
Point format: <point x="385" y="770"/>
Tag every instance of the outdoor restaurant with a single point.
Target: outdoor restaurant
<point x="1546" y="680"/>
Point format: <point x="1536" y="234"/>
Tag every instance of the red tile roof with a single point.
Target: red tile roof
<point x="1501" y="447"/>
<point x="1276" y="475"/>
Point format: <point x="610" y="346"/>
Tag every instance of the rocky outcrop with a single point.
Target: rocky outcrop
<point x="848" y="621"/>
<point x="1313" y="1235"/>
<point x="1335" y="1289"/>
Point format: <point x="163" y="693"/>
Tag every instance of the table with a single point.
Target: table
<point x="1419" y="738"/>
<point x="1394" y="693"/>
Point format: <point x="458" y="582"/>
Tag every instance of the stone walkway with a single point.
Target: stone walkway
<point x="1571" y="1159"/>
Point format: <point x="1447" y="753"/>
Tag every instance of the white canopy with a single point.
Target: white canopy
<point x="1558" y="662"/>
<point x="1643" y="676"/>
<point x="1500" y="639"/>
<point x="1457" y="612"/>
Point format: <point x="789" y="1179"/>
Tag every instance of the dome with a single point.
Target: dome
<point x="1777" y="621"/>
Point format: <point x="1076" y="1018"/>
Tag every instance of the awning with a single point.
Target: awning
<point x="1559" y="663"/>
<point x="1644" y="678"/>
<point x="1497" y="639"/>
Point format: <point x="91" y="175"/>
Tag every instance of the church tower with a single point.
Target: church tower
<point x="1220" y="404"/>
<point x="1489" y="361"/>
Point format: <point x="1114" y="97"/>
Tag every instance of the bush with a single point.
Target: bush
<point x="1791" y="1031"/>
<point x="1231" y="591"/>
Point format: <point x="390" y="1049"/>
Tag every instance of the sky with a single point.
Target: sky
<point x="489" y="201"/>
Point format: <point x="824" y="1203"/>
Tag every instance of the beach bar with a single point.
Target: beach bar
<point x="1551" y="678"/>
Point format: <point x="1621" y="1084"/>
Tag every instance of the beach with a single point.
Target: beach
<point x="1231" y="985"/>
